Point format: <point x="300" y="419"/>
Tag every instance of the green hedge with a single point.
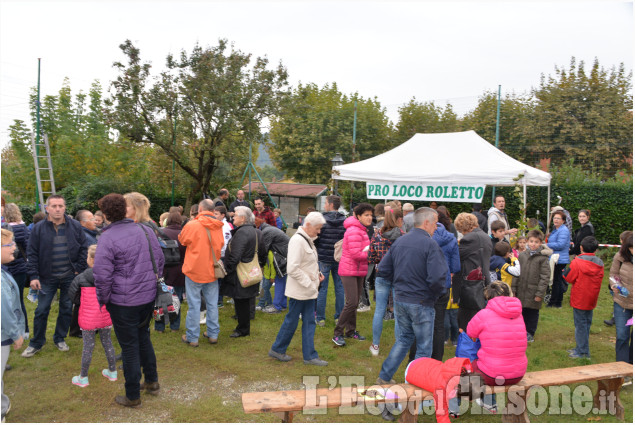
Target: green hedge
<point x="611" y="204"/>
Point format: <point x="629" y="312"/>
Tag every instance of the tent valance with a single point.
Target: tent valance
<point x="461" y="158"/>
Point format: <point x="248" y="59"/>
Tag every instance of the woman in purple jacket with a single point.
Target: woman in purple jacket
<point x="126" y="283"/>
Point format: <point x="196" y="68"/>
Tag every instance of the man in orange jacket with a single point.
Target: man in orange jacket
<point x="203" y="238"/>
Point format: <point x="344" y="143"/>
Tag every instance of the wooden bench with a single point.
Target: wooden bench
<point x="609" y="378"/>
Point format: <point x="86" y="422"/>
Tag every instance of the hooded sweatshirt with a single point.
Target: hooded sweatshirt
<point x="585" y="274"/>
<point x="332" y="232"/>
<point x="450" y="248"/>
<point x="199" y="263"/>
<point x="354" y="261"/>
<point x="501" y="329"/>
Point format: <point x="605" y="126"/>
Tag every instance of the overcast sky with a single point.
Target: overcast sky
<point x="435" y="51"/>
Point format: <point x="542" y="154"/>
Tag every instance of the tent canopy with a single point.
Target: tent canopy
<point x="444" y="158"/>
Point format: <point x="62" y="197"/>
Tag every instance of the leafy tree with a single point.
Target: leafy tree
<point x="515" y="114"/>
<point x="416" y="117"/>
<point x="315" y="124"/>
<point x="587" y="117"/>
<point x="211" y="102"/>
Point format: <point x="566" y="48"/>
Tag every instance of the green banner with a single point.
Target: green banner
<point x="425" y="192"/>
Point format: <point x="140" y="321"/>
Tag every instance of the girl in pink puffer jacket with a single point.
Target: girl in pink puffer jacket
<point x="501" y="330"/>
<point x="352" y="269"/>
<point x="92" y="317"/>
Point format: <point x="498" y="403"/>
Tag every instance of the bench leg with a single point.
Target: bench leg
<point x="516" y="412"/>
<point x="607" y="397"/>
<point x="287" y="417"/>
<point x="410" y="413"/>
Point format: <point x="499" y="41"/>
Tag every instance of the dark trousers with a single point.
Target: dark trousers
<point x="132" y="328"/>
<point x="353" y="286"/>
<point x="23" y="282"/>
<point x="44" y="300"/>
<point x="74" y="329"/>
<point x="464" y="316"/>
<point x="530" y="316"/>
<point x="559" y="286"/>
<point x="243" y="314"/>
<point x="438" y="338"/>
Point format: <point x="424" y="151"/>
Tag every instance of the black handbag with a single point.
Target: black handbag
<point x="471" y="294"/>
<point x="279" y="263"/>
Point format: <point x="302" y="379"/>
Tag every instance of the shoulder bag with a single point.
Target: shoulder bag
<point x="165" y="300"/>
<point x="337" y="250"/>
<point x="219" y="267"/>
<point x="249" y="273"/>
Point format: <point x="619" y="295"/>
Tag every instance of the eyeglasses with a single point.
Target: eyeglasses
<point x="12" y="244"/>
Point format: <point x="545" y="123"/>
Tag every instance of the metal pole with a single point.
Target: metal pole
<point x="249" y="165"/>
<point x="37" y="130"/>
<point x="498" y="120"/>
<point x="548" y="204"/>
<point x="174" y="144"/>
<point x="354" y="137"/>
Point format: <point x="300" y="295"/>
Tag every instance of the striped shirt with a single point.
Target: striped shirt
<point x="60" y="260"/>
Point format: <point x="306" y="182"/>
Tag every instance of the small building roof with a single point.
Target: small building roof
<point x="295" y="190"/>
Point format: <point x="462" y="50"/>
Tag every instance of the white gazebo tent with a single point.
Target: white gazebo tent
<point x="461" y="158"/>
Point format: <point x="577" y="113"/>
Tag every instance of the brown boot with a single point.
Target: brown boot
<point x="210" y="339"/>
<point x="125" y="401"/>
<point x="151" y="387"/>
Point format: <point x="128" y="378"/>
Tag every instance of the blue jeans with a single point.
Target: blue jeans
<point x="279" y="299"/>
<point x="209" y="291"/>
<point x="624" y="334"/>
<point x="290" y="324"/>
<point x="131" y="324"/>
<point x="415" y="322"/>
<point x="45" y="298"/>
<point x="331" y="268"/>
<point x="451" y="325"/>
<point x="176" y="323"/>
<point x="582" y="321"/>
<point x="383" y="289"/>
<point x="265" y="287"/>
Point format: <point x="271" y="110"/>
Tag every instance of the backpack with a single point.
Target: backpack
<point x="169" y="247"/>
<point x="337" y="250"/>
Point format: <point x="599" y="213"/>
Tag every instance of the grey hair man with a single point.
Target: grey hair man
<point x="408" y="217"/>
<point x="89" y="226"/>
<point x="417" y="268"/>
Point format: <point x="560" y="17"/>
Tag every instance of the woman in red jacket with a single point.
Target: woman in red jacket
<point x="352" y="269"/>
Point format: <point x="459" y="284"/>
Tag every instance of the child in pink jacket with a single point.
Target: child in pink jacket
<point x="352" y="269"/>
<point x="92" y="317"/>
<point x="501" y="329"/>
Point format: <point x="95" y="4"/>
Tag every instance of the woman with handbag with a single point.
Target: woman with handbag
<point x="303" y="281"/>
<point x="126" y="282"/>
<point x="475" y="250"/>
<point x="244" y="256"/>
<point x="559" y="241"/>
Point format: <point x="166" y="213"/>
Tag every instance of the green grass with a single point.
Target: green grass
<point x="205" y="384"/>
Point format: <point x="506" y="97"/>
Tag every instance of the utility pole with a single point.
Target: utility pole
<point x="37" y="129"/>
<point x="353" y="157"/>
<point x="498" y="121"/>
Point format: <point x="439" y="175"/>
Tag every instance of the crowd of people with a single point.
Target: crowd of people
<point x="435" y="275"/>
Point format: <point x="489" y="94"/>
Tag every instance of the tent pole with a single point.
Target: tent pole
<point x="524" y="218"/>
<point x="548" y="204"/>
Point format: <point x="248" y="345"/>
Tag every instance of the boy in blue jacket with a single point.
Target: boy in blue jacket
<point x="12" y="317"/>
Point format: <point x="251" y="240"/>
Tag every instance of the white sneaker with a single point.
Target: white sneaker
<point x="62" y="346"/>
<point x="363" y="308"/>
<point x="203" y="317"/>
<point x="30" y="351"/>
<point x="374" y="349"/>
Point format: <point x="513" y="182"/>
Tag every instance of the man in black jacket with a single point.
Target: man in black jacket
<point x="332" y="232"/>
<point x="57" y="252"/>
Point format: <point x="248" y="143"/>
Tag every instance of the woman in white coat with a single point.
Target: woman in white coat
<point x="303" y="281"/>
